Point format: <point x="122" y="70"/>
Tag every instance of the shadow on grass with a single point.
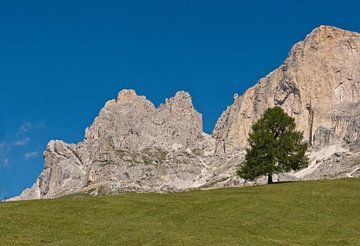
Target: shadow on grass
<point x="282" y="182"/>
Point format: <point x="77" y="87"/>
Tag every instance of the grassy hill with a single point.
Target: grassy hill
<point x="302" y="213"/>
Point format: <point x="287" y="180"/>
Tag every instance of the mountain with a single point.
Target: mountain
<point x="318" y="85"/>
<point x="134" y="146"/>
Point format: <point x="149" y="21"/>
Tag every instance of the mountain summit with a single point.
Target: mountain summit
<point x="133" y="146"/>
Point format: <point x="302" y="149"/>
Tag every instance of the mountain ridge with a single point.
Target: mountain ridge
<point x="134" y="146"/>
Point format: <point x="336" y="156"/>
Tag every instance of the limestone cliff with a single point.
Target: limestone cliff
<point x="318" y="85"/>
<point x="131" y="146"/>
<point x="134" y="146"/>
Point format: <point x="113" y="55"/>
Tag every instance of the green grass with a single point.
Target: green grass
<point x="302" y="213"/>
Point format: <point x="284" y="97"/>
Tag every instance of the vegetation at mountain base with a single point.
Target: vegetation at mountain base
<point x="299" y="213"/>
<point x="275" y="146"/>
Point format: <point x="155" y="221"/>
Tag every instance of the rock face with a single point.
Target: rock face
<point x="133" y="146"/>
<point x="318" y="85"/>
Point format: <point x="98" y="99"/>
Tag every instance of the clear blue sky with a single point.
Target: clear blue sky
<point x="60" y="61"/>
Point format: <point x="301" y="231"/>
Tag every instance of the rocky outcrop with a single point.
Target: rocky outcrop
<point x="131" y="146"/>
<point x="317" y="85"/>
<point x="134" y="146"/>
<point x="133" y="123"/>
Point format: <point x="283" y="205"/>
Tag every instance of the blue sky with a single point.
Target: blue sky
<point x="60" y="61"/>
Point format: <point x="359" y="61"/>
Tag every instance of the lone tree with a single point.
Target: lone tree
<point x="275" y="146"/>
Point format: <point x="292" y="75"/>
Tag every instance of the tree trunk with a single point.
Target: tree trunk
<point x="270" y="181"/>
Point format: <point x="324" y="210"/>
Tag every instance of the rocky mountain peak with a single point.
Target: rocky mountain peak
<point x="181" y="99"/>
<point x="325" y="32"/>
<point x="128" y="96"/>
<point x="320" y="74"/>
<point x="134" y="146"/>
<point x="181" y="104"/>
<point x="182" y="95"/>
<point x="132" y="122"/>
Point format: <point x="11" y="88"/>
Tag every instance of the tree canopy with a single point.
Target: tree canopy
<point x="274" y="146"/>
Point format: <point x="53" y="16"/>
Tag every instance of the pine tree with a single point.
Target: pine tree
<point x="274" y="147"/>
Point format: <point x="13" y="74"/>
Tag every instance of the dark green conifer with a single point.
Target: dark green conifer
<point x="274" y="146"/>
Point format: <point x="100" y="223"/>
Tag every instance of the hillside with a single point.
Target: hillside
<point x="300" y="213"/>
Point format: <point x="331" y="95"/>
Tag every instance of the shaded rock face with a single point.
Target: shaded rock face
<point x="134" y="146"/>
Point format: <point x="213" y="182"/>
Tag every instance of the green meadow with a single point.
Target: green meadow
<point x="298" y="213"/>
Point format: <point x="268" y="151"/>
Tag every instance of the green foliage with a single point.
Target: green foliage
<point x="275" y="146"/>
<point x="306" y="213"/>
